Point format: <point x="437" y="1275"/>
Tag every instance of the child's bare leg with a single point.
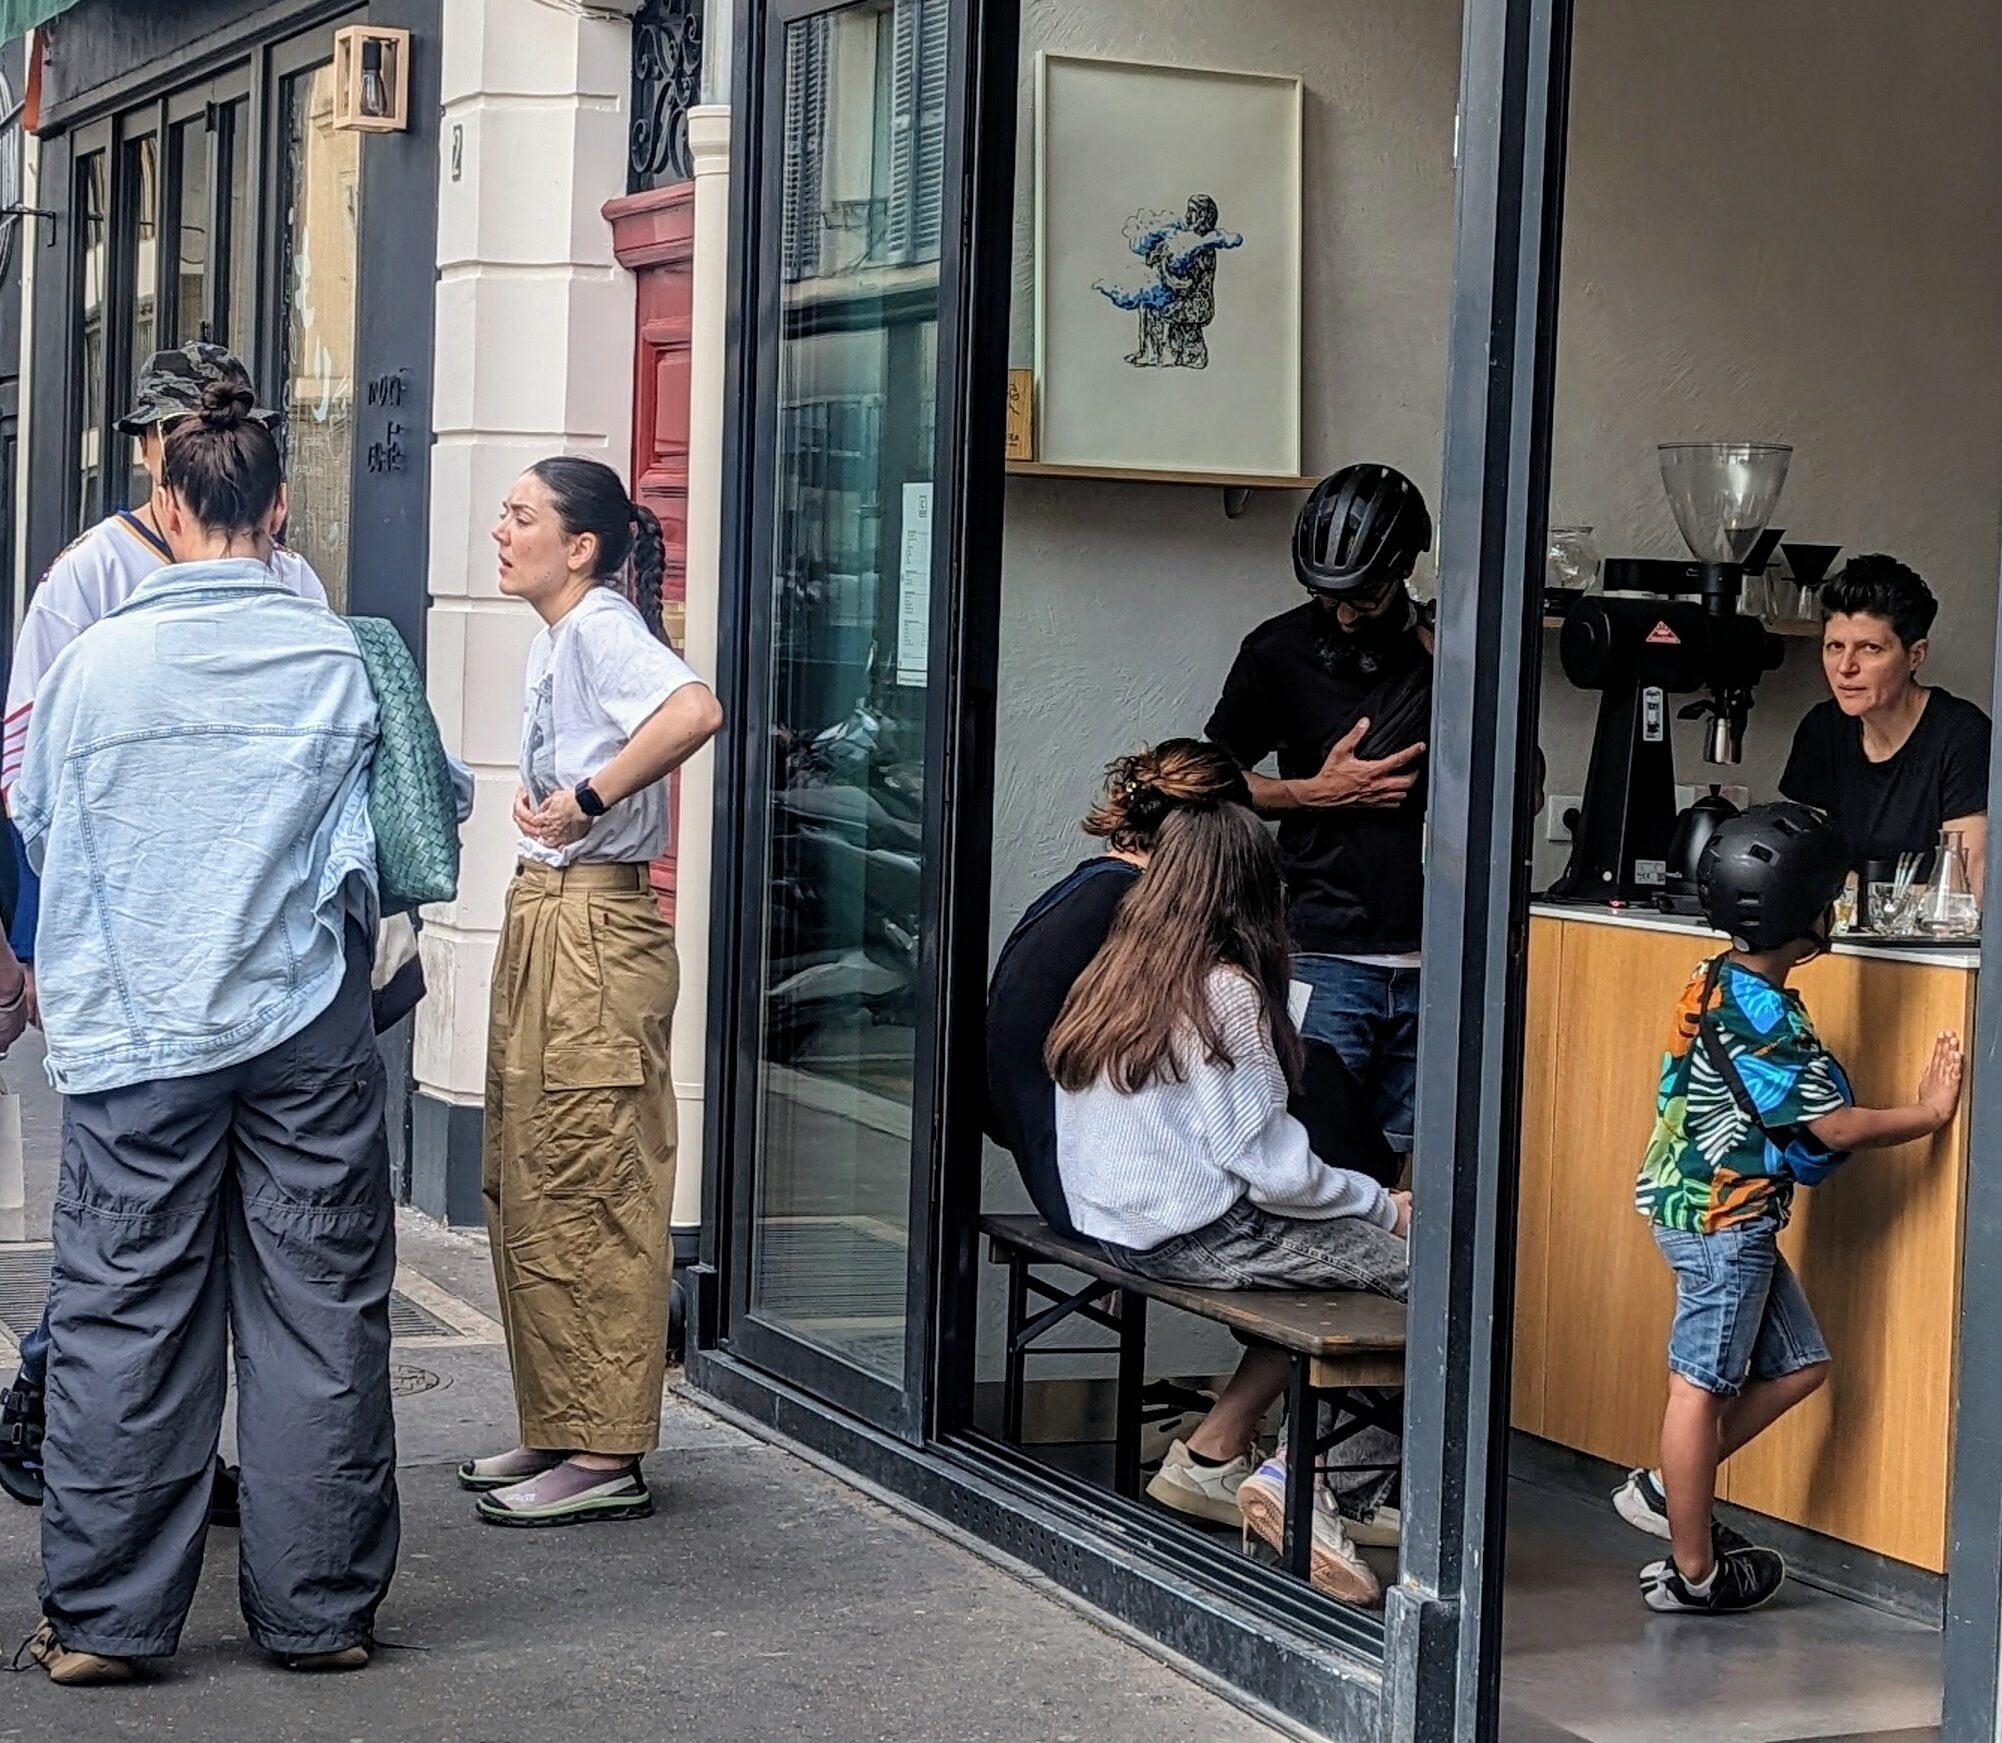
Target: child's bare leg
<point x="1764" y="1402"/>
<point x="1227" y="1430"/>
<point x="1691" y="1446"/>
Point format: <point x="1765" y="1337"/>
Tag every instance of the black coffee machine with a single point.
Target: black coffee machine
<point x="1666" y="628"/>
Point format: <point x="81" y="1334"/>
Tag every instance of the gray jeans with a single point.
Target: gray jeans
<point x="1251" y="1248"/>
<point x="251" y="1203"/>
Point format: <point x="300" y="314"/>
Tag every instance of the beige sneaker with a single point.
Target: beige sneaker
<point x="1201" y="1491"/>
<point x="76" y="1670"/>
<point x="1338" y="1569"/>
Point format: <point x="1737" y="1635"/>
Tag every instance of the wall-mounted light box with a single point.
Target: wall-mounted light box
<point x="371" y="79"/>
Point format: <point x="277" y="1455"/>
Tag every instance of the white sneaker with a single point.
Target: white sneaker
<point x="1201" y="1491"/>
<point x="1337" y="1568"/>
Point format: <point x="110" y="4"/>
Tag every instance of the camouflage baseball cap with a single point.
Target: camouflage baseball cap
<point x="172" y="383"/>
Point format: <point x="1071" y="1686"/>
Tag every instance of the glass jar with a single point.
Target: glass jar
<point x="1572" y="560"/>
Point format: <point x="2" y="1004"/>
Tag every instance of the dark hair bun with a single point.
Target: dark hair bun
<point x="226" y="404"/>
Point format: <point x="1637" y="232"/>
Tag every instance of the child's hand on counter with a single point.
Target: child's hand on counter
<point x="1939" y="1088"/>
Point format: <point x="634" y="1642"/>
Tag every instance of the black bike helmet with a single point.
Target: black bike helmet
<point x="1767" y="877"/>
<point x="1361" y="529"/>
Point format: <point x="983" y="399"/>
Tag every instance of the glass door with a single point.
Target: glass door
<point x="211" y="249"/>
<point x="851" y="694"/>
<point x="319" y="226"/>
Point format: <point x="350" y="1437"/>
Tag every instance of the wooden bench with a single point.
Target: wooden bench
<point x="1344" y="1346"/>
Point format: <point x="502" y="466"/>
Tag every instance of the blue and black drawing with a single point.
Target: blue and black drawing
<point x="1177" y="301"/>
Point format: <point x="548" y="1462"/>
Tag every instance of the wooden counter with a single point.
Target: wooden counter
<point x="1878" y="1248"/>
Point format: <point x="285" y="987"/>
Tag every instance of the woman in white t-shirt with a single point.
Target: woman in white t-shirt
<point x="580" y="1102"/>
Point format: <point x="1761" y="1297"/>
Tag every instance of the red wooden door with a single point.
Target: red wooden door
<point x="653" y="235"/>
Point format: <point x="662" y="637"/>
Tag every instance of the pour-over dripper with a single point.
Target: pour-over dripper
<point x="1810" y="563"/>
<point x="1723" y="494"/>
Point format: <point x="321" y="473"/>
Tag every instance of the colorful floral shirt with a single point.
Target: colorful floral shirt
<point x="1710" y="1165"/>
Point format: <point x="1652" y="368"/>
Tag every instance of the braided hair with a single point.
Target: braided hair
<point x="589" y="497"/>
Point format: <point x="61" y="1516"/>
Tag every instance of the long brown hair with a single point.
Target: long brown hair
<point x="1211" y="897"/>
<point x="1144" y="789"/>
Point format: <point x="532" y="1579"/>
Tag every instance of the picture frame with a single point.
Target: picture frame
<point x="1168" y="266"/>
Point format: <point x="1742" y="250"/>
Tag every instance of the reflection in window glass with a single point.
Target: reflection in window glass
<point x="191" y="224"/>
<point x="850" y="685"/>
<point x="239" y="315"/>
<point x="93" y="200"/>
<point x="141" y="192"/>
<point x="317" y="324"/>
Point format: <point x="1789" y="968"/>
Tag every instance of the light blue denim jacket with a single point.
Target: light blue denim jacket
<point x="195" y="796"/>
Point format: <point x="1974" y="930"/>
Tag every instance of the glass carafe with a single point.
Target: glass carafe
<point x="1951" y="906"/>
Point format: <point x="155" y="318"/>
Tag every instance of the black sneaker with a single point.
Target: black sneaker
<point x="1745" y="1579"/>
<point x="21" y="1419"/>
<point x="1641" y="1502"/>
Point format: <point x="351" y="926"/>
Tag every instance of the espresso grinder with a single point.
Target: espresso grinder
<point x="1668" y="628"/>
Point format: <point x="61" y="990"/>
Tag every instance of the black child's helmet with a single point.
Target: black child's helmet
<point x="1360" y="531"/>
<point x="1768" y="876"/>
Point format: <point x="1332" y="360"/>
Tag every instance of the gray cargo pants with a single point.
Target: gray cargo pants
<point x="250" y="1202"/>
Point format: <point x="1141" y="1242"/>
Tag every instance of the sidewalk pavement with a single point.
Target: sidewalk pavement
<point x="764" y="1600"/>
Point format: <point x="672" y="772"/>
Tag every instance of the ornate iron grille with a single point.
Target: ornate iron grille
<point x="667" y="80"/>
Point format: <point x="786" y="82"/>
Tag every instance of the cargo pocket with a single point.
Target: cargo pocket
<point x="590" y="1119"/>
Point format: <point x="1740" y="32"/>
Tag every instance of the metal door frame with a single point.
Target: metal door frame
<point x="960" y="664"/>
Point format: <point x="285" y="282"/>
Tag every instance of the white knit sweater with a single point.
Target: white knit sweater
<point x="1141" y="1169"/>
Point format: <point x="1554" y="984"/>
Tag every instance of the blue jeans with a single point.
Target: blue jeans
<point x="1369" y="1015"/>
<point x="1740" y="1312"/>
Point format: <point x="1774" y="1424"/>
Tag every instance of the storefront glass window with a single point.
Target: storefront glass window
<point x="850" y="689"/>
<point x="322" y="211"/>
<point x="142" y="189"/>
<point x="239" y="244"/>
<point x="93" y="204"/>
<point x="191" y="226"/>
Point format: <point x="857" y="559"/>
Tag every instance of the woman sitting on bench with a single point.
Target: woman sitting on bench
<point x="1174" y="1059"/>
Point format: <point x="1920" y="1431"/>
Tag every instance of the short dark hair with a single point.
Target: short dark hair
<point x="1879" y="586"/>
<point x="222" y="463"/>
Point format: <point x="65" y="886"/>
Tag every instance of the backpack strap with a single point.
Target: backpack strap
<point x="1719" y="1057"/>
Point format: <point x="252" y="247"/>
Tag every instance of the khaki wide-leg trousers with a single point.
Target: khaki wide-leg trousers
<point x="579" y="1164"/>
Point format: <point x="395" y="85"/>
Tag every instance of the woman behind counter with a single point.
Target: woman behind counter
<point x="1891" y="760"/>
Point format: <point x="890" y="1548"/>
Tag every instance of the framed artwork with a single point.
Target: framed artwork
<point x="1168" y="215"/>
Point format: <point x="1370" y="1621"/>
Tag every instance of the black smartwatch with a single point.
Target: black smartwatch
<point x="588" y="801"/>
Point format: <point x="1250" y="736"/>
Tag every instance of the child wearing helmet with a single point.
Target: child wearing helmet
<point x="1751" y="1105"/>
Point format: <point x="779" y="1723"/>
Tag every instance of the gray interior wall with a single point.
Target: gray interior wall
<point x="1783" y="223"/>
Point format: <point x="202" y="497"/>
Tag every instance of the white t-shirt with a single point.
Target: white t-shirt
<point x="594" y="679"/>
<point x="94" y="576"/>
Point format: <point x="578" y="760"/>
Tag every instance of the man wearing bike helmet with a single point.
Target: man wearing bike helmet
<point x="1340" y="691"/>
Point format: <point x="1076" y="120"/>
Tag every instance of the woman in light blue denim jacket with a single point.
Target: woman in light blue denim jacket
<point x="195" y="784"/>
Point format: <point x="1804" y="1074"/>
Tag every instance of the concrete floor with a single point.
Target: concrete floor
<point x="1586" y="1662"/>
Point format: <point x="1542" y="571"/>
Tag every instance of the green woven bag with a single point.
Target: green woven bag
<point x="410" y="798"/>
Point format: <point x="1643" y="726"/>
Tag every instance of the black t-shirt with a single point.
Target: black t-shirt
<point x="1899" y="805"/>
<point x="1051" y="946"/>
<point x="1354" y="874"/>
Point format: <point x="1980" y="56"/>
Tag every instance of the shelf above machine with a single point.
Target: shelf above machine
<point x="1236" y="486"/>
<point x="1803" y="629"/>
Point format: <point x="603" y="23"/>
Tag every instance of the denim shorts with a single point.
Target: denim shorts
<point x="1740" y="1312"/>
